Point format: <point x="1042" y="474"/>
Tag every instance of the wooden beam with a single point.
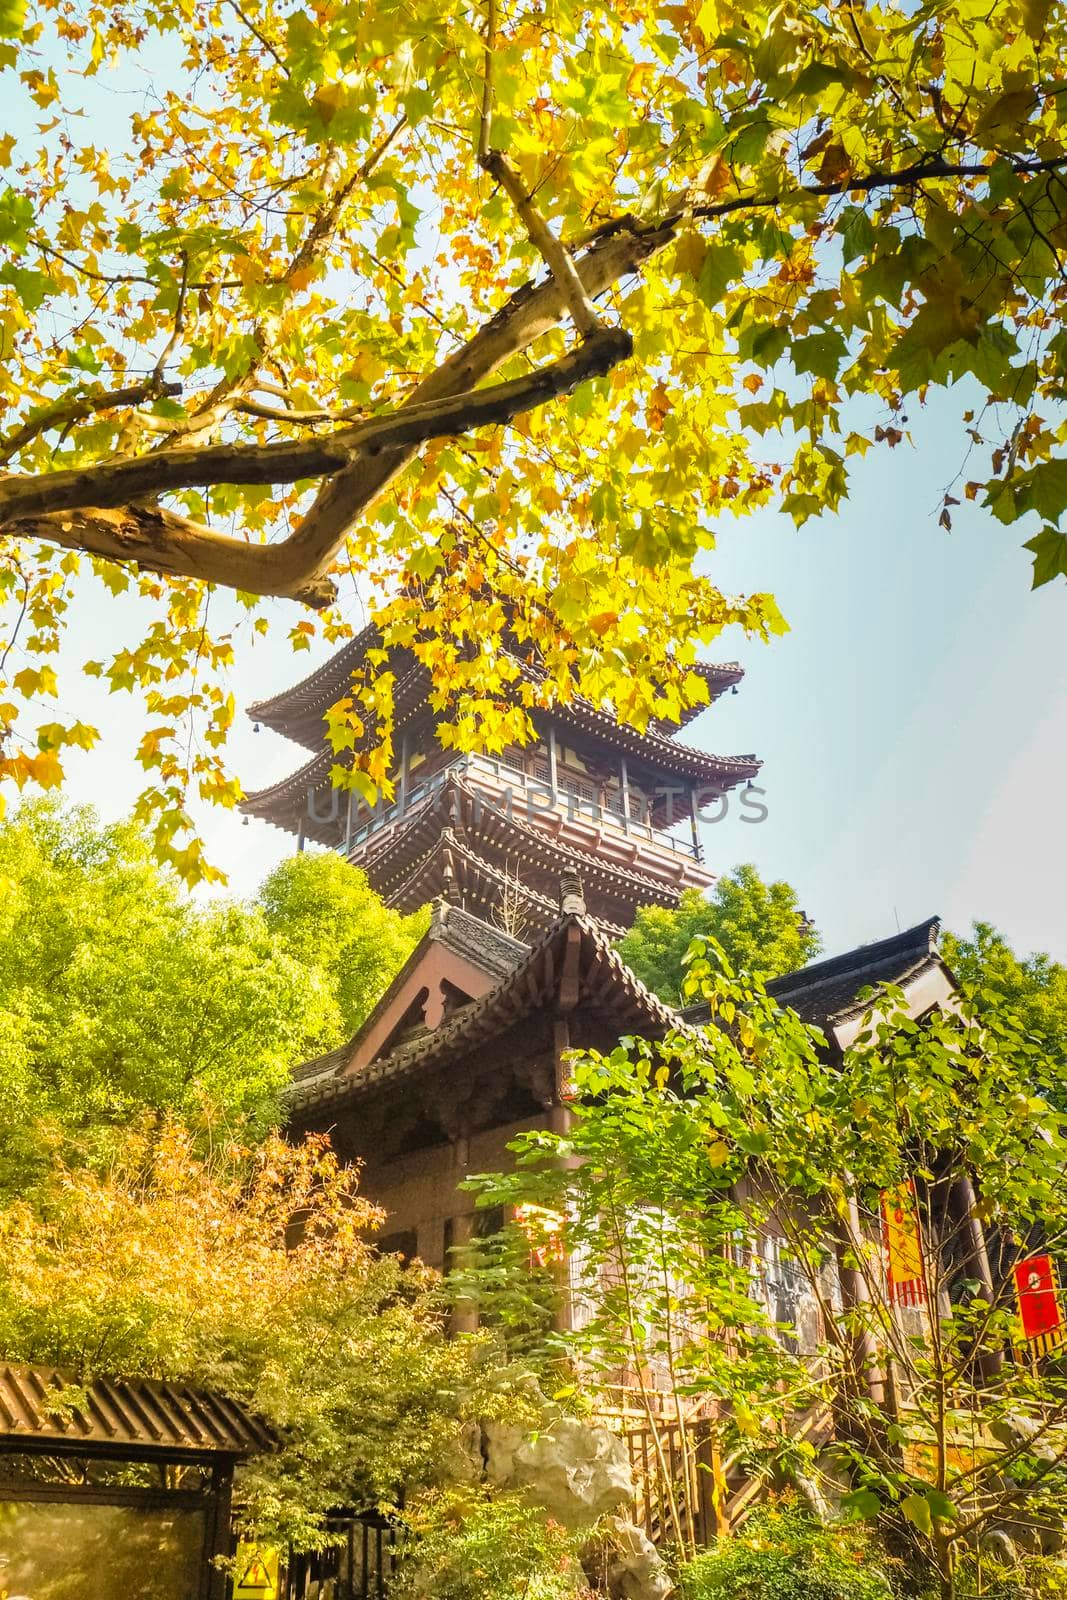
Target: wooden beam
<point x="404" y="757"/>
<point x="569" y="989"/>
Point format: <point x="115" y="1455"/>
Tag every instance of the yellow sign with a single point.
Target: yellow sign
<point x="256" y="1572"/>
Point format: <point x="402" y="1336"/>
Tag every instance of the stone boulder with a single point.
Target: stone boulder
<point x="635" y="1570"/>
<point x="577" y="1471"/>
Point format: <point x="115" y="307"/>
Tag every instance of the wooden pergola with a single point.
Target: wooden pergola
<point x="116" y="1489"/>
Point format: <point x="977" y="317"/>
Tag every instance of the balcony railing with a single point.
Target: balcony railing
<point x="525" y="794"/>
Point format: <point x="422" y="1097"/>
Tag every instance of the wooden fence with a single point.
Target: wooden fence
<point x="359" y="1568"/>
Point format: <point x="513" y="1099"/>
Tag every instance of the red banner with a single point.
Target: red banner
<point x="1039" y="1303"/>
<point x="902" y="1233"/>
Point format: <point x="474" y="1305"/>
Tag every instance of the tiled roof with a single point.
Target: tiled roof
<point x="313" y="695"/>
<point x="606" y="983"/>
<point x="826" y="991"/>
<point x="475" y="879"/>
<point x="488" y="947"/>
<point x="121" y="1417"/>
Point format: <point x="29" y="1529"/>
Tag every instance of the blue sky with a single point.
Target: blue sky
<point x="913" y="723"/>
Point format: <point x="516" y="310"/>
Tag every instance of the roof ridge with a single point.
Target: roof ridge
<point x="467" y="1017"/>
<point x="849" y="960"/>
<point x="258" y="707"/>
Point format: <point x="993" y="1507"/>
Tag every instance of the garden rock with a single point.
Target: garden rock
<point x="635" y="1568"/>
<point x="578" y="1472"/>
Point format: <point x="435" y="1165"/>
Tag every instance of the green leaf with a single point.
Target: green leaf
<point x="857" y="233"/>
<point x="1049" y="550"/>
<point x="917" y="1509"/>
<point x="766" y="343"/>
<point x="1048" y="488"/>
<point x="820" y="354"/>
<point x="16" y="218"/>
<point x="941" y="1507"/>
<point x="819" y="75"/>
<point x="861" y="1503"/>
<point x="12" y="18"/>
<point x="722" y="264"/>
<point x="32" y="288"/>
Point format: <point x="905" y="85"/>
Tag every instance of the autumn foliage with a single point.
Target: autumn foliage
<point x="487" y="314"/>
<point x="253" y="1271"/>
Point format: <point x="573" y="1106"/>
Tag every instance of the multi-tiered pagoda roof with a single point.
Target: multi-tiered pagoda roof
<point x="592" y="796"/>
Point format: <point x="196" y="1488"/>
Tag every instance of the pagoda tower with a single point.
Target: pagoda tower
<point x="494" y="834"/>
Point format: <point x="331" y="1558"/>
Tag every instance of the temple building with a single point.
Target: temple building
<point x="495" y="833"/>
<point x="534" y="860"/>
<point x="467" y="1048"/>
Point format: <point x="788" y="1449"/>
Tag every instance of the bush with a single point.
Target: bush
<point x="472" y="1545"/>
<point x="784" y="1554"/>
<point x="1035" y="1578"/>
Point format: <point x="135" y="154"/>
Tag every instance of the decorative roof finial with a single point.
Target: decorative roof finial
<point x="439" y="916"/>
<point x="448" y="869"/>
<point x="571" y="898"/>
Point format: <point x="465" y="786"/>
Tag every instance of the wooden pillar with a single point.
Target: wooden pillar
<point x="553" y="772"/>
<point x="848" y="1240"/>
<point x="464" y="1312"/>
<point x="962" y="1208"/>
<point x="624" y="783"/>
<point x="348" y="823"/>
<point x="430" y="1243"/>
<point x="694" y="820"/>
<point x="218" y="1535"/>
<point x="300" y="836"/>
<point x="561" y="1119"/>
<point x="404" y="758"/>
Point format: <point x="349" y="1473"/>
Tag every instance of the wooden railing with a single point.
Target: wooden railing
<point x="687" y="1489"/>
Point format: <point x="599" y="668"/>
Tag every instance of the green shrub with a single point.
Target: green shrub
<point x="471" y="1545"/>
<point x="1035" y="1578"/>
<point x="785" y="1554"/>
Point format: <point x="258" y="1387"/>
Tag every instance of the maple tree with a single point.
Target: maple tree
<point x="188" y="1268"/>
<point x="492" y="310"/>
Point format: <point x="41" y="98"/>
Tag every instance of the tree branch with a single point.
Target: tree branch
<point x="165" y="542"/>
<point x="64" y="413"/>
<point x="553" y="252"/>
<point x="117" y="482"/>
<point x="360" y="462"/>
<point x="90" y="510"/>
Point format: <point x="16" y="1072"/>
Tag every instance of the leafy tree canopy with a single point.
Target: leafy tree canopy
<point x="119" y="995"/>
<point x="328" y="918"/>
<point x="308" y="315"/>
<point x="178" y="1267"/>
<point x="686" y="1158"/>
<point x="759" y="925"/>
<point x="1034" y="987"/>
